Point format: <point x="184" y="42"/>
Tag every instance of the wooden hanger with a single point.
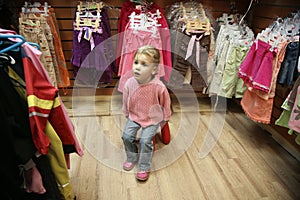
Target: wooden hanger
<point x="195" y="20"/>
<point x="90" y="6"/>
<point x="85" y="17"/>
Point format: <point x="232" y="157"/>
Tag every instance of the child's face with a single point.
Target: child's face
<point x="143" y="68"/>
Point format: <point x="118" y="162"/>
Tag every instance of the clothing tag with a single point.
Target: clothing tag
<point x="88" y="34"/>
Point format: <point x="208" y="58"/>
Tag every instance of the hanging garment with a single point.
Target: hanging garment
<point x="231" y="85"/>
<point x="17" y="115"/>
<point x="157" y="28"/>
<point x="56" y="156"/>
<point x="219" y="70"/>
<point x="256" y="69"/>
<point x="257" y="108"/>
<point x="56" y="153"/>
<point x="133" y="41"/>
<point x="294" y="121"/>
<point x="34" y="57"/>
<point x="63" y="74"/>
<point x="11" y="179"/>
<point x="21" y="136"/>
<point x="277" y="62"/>
<point x="233" y="42"/>
<point x="35" y="29"/>
<point x="43" y="16"/>
<point x="44" y="77"/>
<point x="36" y="78"/>
<point x="43" y="105"/>
<point x="289" y="117"/>
<point x="92" y="52"/>
<point x="193" y="40"/>
<point x="288" y="72"/>
<point x="196" y="62"/>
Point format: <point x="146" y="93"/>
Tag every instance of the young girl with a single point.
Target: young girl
<point x="146" y="104"/>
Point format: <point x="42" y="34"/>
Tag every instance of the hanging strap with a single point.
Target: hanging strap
<point x="191" y="47"/>
<point x="247" y="11"/>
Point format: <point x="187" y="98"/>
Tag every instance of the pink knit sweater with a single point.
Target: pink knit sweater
<point x="146" y="104"/>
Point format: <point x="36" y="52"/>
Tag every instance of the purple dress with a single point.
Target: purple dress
<point x="93" y="52"/>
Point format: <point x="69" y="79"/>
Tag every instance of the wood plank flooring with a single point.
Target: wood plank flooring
<point x="245" y="163"/>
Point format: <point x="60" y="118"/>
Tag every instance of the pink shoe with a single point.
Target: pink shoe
<point x="142" y="175"/>
<point x="128" y="166"/>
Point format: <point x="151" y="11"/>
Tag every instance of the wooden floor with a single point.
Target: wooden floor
<point x="245" y="163"/>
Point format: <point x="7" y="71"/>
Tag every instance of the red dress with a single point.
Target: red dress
<point x="163" y="30"/>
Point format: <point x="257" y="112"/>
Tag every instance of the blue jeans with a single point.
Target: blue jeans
<point x="288" y="71"/>
<point x="146" y="146"/>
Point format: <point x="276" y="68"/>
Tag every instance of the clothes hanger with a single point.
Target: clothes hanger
<point x="195" y="19"/>
<point x="17" y="44"/>
<point x="34" y="45"/>
<point x="142" y="2"/>
<point x="249" y="7"/>
<point x="143" y="23"/>
<point x="85" y="17"/>
<point x="136" y="1"/>
<point x="90" y="6"/>
<point x="6" y="59"/>
<point x="143" y="5"/>
<point x="36" y="7"/>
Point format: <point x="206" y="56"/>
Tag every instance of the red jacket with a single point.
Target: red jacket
<point x="44" y="105"/>
<point x="129" y="7"/>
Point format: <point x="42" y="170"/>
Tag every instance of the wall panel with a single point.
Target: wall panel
<point x="261" y="15"/>
<point x="267" y="11"/>
<point x="65" y="11"/>
<point x="264" y="14"/>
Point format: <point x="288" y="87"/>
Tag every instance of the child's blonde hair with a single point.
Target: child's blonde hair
<point x="149" y="51"/>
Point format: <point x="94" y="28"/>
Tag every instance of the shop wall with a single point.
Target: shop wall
<point x="262" y="13"/>
<point x="65" y="10"/>
<point x="266" y="11"/>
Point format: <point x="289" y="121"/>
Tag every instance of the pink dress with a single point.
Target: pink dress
<point x="130" y="39"/>
<point x="133" y="41"/>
